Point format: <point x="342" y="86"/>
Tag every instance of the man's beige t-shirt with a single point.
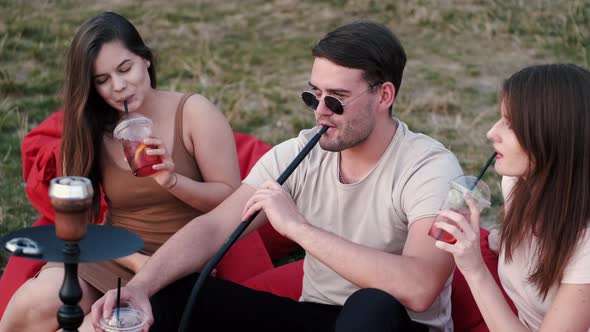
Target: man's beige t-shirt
<point x="532" y="309"/>
<point x="409" y="182"/>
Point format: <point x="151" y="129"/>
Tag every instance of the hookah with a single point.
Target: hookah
<point x="71" y="241"/>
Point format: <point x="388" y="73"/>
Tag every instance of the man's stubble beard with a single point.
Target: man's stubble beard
<point x="352" y="134"/>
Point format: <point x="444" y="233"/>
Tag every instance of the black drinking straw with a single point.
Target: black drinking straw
<point x="125" y="104"/>
<point x="118" y="291"/>
<point x="483" y="170"/>
<point x="239" y="230"/>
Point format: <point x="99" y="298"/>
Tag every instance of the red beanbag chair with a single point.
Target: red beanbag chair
<point x="249" y="151"/>
<point x="40" y="155"/>
<point x="287" y="280"/>
<point x="466" y="315"/>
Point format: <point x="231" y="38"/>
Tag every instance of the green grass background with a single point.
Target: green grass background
<point x="252" y="59"/>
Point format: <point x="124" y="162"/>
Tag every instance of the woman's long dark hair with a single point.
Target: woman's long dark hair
<point x="86" y="115"/>
<point x="548" y="107"/>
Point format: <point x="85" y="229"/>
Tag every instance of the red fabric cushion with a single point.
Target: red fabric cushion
<point x="285" y="280"/>
<point x="250" y="149"/>
<point x="40" y="157"/>
<point x="17" y="271"/>
<point x="466" y="314"/>
<point x="245" y="259"/>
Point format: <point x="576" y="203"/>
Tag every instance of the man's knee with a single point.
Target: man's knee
<point x="373" y="301"/>
<point x="372" y="309"/>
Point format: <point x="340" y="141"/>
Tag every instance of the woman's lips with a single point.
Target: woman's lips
<point x="129" y="99"/>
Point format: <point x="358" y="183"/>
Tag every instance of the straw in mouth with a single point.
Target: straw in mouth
<point x="125" y="104"/>
<point x="483" y="170"/>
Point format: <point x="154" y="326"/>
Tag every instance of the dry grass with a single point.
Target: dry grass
<point x="252" y="59"/>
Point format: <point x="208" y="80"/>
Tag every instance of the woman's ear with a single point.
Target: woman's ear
<point x="148" y="63"/>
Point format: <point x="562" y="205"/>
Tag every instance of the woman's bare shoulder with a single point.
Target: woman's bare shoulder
<point x="200" y="107"/>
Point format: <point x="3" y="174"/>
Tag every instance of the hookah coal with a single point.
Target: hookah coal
<point x="239" y="230"/>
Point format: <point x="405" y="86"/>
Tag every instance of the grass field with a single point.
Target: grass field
<point x="252" y="58"/>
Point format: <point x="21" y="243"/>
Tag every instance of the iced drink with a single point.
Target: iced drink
<point x="132" y="130"/>
<point x="140" y="162"/>
<point x="130" y="319"/>
<point x="455" y="201"/>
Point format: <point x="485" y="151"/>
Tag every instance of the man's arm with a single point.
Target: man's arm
<point x="190" y="248"/>
<point x="185" y="252"/>
<point x="415" y="278"/>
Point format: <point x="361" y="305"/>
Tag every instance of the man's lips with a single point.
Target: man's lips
<point x="321" y="124"/>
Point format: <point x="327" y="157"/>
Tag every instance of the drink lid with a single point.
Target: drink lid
<point x="481" y="192"/>
<point x="71" y="188"/>
<point x="128" y="121"/>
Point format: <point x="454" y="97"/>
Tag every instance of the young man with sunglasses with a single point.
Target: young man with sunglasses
<point x="360" y="204"/>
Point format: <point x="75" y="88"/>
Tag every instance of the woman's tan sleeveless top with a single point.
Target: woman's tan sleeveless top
<point x="142" y="206"/>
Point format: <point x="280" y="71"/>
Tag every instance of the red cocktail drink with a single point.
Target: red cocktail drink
<point x="140" y="162"/>
<point x="442" y="235"/>
<point x="455" y="201"/>
<point x="132" y="130"/>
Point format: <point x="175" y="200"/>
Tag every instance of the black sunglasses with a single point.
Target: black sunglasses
<point x="332" y="103"/>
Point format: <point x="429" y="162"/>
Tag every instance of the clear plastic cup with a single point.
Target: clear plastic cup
<point x="130" y="319"/>
<point x="455" y="201"/>
<point x="131" y="131"/>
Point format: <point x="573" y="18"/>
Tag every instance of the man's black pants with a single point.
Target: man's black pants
<point x="226" y="306"/>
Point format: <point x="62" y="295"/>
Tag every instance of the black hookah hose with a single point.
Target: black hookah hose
<point x="239" y="230"/>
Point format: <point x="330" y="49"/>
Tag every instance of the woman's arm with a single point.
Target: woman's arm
<point x="133" y="262"/>
<point x="208" y="135"/>
<point x="467" y="253"/>
<point x="491" y="303"/>
<point x="569" y="311"/>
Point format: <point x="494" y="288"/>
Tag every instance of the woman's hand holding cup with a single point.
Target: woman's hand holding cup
<point x="466" y="249"/>
<point x="164" y="174"/>
<point x="456" y="227"/>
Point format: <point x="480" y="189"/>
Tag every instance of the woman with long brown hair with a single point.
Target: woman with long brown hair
<point x="109" y="68"/>
<point x="542" y="141"/>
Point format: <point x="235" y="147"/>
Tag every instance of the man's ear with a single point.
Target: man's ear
<point x="387" y="96"/>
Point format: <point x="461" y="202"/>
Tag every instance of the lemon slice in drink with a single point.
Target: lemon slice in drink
<point x="139" y="150"/>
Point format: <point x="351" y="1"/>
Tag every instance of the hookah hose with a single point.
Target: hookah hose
<point x="239" y="230"/>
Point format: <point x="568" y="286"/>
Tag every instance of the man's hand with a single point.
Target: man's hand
<point x="104" y="306"/>
<point x="278" y="205"/>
